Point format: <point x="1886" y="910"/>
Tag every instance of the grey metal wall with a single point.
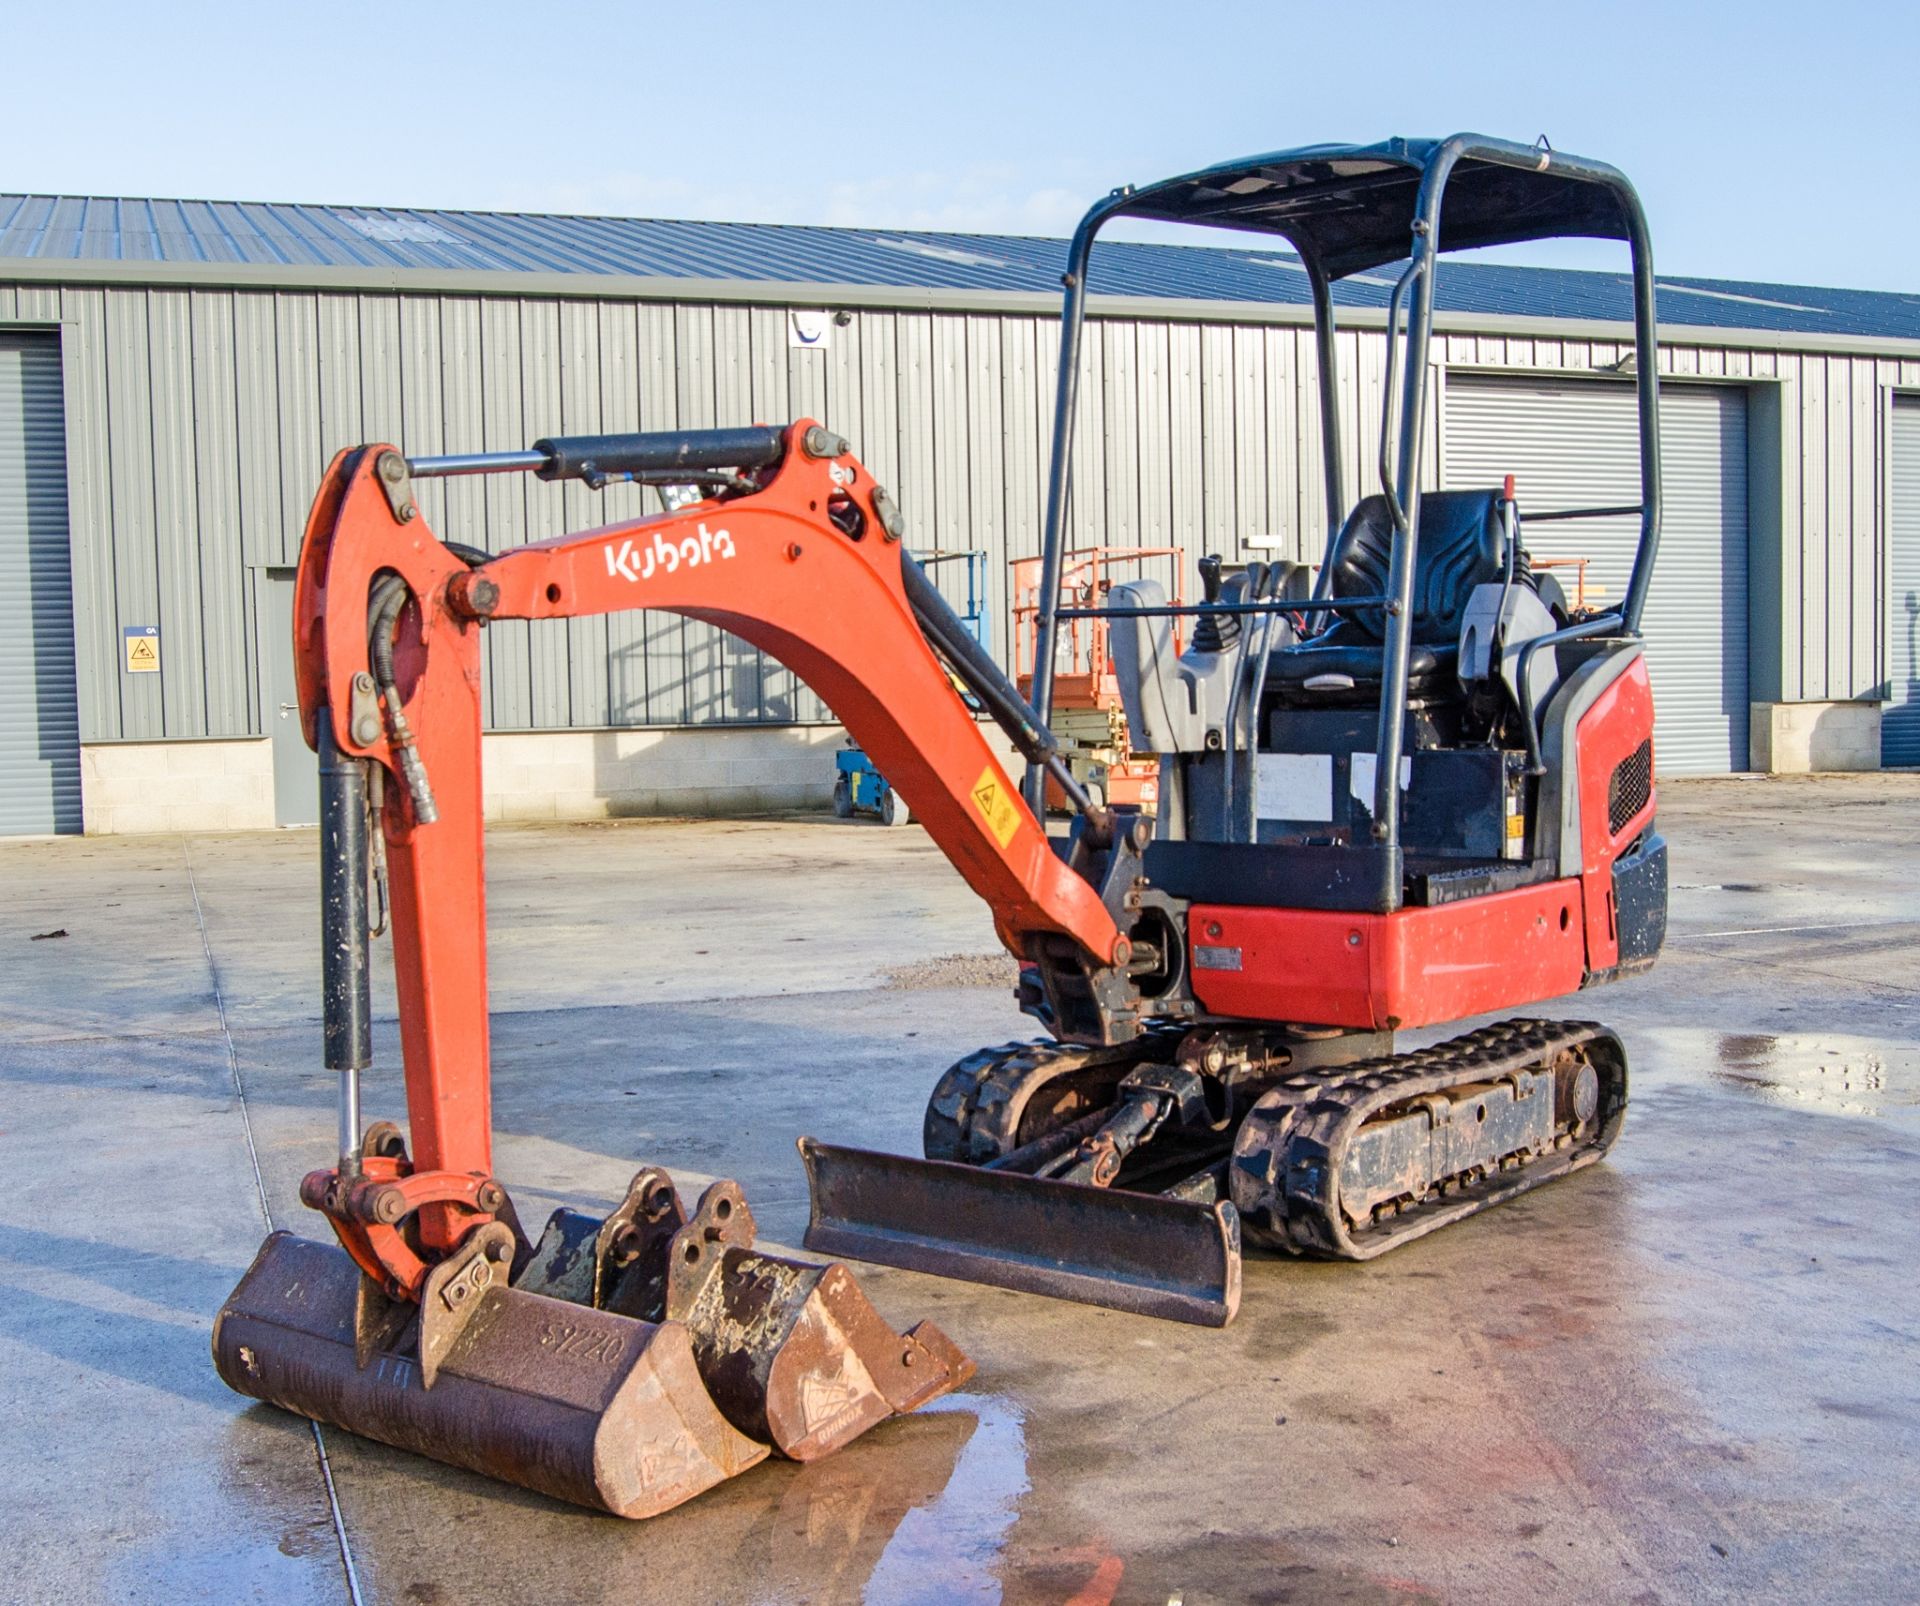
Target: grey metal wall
<point x="1818" y="622"/>
<point x="1576" y="443"/>
<point x="200" y="421"/>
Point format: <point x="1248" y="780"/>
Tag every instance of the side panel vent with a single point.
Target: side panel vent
<point x="1631" y="786"/>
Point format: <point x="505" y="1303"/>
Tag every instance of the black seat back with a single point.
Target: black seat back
<point x="1462" y="545"/>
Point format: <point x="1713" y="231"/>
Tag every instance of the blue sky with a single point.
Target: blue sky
<point x="1770" y="140"/>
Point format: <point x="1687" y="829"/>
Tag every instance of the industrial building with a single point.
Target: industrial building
<point x="174" y="377"/>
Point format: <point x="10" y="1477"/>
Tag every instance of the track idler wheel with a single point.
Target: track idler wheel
<point x="997" y="1100"/>
<point x="793" y="1352"/>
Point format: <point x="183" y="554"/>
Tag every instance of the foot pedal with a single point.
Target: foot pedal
<point x="792" y="1352"/>
<point x="585" y="1405"/>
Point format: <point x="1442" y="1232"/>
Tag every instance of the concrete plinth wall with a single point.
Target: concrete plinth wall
<point x="587" y="775"/>
<point x="132" y="787"/>
<point x="1801" y="738"/>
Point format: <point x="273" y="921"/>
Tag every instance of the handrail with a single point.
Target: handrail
<point x="1268" y="578"/>
<point x="1606" y="623"/>
<point x="1390" y="391"/>
<point x="1167" y="610"/>
<point x="1637" y="509"/>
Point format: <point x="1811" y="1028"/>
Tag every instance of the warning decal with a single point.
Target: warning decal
<point x="143" y="649"/>
<point x="996" y="806"/>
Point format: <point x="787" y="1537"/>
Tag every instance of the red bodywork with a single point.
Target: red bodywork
<point x="1609" y="732"/>
<point x="1414" y="967"/>
<point x="1428" y="966"/>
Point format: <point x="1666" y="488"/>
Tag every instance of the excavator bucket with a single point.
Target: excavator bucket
<point x="1154" y="1254"/>
<point x="633" y="1360"/>
<point x="584" y="1405"/>
<point x="792" y="1352"/>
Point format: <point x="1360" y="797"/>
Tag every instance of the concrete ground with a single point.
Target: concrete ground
<point x="1689" y="1374"/>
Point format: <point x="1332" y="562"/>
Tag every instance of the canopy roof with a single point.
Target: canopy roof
<point x="1351" y="207"/>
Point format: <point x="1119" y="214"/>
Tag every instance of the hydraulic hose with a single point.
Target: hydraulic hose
<point x="390" y="594"/>
<point x="998" y="695"/>
<point x="983" y="677"/>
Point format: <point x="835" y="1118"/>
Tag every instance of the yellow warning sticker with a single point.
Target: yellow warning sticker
<point x="143" y="649"/>
<point x="996" y="806"/>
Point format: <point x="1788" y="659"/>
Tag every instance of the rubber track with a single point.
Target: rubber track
<point x="974" y="1113"/>
<point x="1289" y="1151"/>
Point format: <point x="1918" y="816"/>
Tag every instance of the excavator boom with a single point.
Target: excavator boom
<point x="804" y="567"/>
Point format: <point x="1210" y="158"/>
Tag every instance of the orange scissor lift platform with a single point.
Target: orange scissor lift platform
<point x="1088" y="714"/>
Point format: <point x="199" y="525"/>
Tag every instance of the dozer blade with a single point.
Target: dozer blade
<point x="583" y="1405"/>
<point x="1148" y="1253"/>
<point x="795" y="1355"/>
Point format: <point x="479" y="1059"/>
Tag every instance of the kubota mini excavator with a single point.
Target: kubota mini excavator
<point x="1414" y="788"/>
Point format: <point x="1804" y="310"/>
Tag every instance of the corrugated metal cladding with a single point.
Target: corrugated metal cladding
<point x="39" y="728"/>
<point x="205" y="418"/>
<point x="1900" y="720"/>
<point x="201" y="420"/>
<point x="1574" y="444"/>
<point x="1830" y="410"/>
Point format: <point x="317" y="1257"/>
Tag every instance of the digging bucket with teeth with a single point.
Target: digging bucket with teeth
<point x="792" y="1352"/>
<point x="626" y="1362"/>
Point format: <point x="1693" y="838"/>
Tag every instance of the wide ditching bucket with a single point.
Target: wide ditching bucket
<point x="636" y="1360"/>
<point x="584" y="1405"/>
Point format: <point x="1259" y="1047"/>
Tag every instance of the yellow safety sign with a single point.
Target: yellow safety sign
<point x="143" y="649"/>
<point x="996" y="806"/>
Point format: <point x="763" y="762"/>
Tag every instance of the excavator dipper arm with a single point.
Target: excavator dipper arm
<point x="803" y="565"/>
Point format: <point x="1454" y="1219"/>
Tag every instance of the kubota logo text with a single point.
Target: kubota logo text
<point x="639" y="563"/>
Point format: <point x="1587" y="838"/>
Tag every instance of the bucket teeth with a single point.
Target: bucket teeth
<point x="580" y="1404"/>
<point x="793" y="1352"/>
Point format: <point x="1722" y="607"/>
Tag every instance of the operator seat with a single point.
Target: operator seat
<point x="1462" y="545"/>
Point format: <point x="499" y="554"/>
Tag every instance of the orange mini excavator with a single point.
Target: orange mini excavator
<point x="1414" y="787"/>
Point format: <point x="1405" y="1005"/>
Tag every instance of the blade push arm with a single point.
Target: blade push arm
<point x="801" y="564"/>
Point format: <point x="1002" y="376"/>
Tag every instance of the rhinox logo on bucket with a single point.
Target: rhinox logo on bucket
<point x="639" y="563"/>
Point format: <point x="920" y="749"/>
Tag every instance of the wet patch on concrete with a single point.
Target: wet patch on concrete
<point x="1215" y="1565"/>
<point x="1830" y="1074"/>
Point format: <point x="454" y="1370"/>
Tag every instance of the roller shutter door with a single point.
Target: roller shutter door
<point x="1900" y="721"/>
<point x="39" y="711"/>
<point x="1575" y="444"/>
